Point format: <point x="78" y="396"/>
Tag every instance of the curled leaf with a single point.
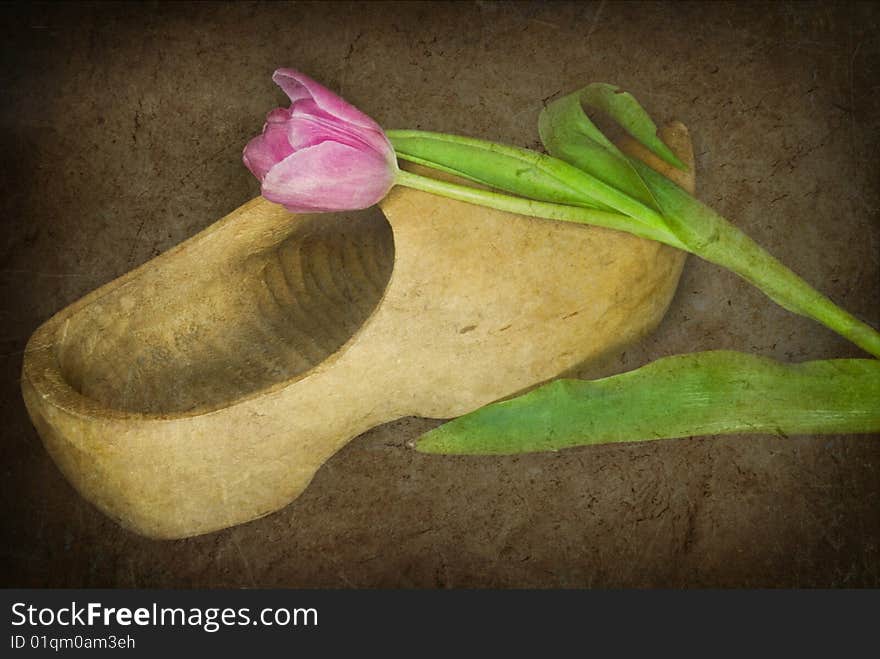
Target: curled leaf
<point x="568" y="133"/>
<point x="682" y="221"/>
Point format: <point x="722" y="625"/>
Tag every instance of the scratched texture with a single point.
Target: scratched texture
<point x="122" y="127"/>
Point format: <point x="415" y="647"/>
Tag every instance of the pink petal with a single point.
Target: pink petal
<point x="329" y="177"/>
<point x="265" y="151"/>
<point x="298" y="86"/>
<point x="308" y="130"/>
<point x="277" y="116"/>
<point x="309" y="111"/>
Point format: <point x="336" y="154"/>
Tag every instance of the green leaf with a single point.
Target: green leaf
<point x="697" y="394"/>
<point x="568" y="134"/>
<point x="522" y="172"/>
<point x="526" y="173"/>
<point x="626" y="111"/>
<point x="709" y="235"/>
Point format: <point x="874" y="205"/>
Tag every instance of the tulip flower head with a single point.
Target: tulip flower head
<point x="321" y="154"/>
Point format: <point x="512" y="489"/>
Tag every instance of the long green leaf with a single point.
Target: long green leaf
<point x="709" y="235"/>
<point x="527" y="173"/>
<point x="520" y="171"/>
<point x="697" y="394"/>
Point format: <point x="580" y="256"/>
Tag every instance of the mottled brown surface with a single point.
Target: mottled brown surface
<point x="122" y="131"/>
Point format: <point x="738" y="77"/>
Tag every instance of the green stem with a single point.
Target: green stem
<point x="529" y="207"/>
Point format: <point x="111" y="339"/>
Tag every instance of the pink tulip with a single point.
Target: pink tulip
<point x="321" y="154"/>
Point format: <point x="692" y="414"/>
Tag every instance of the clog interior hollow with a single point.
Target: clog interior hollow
<point x="168" y="344"/>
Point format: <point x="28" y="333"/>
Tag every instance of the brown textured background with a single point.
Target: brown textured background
<point x="122" y="127"/>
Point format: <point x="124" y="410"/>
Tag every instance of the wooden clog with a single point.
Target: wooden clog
<point x="206" y="387"/>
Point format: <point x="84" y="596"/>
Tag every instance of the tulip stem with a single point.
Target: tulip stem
<point x="708" y="235"/>
<point x="532" y="208"/>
